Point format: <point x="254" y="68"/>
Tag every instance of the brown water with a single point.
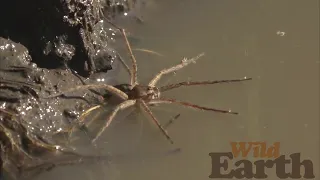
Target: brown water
<point x="274" y="42"/>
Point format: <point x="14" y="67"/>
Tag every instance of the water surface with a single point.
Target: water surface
<point x="274" y="42"/>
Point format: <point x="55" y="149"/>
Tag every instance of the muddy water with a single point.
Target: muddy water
<point x="274" y="42"/>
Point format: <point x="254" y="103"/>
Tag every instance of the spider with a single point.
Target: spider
<point x="135" y="94"/>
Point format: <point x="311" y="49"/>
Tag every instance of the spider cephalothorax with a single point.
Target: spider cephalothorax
<point x="146" y="93"/>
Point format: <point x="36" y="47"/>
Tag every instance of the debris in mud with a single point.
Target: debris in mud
<point x="47" y="47"/>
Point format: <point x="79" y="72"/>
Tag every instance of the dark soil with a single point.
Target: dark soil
<point x="47" y="47"/>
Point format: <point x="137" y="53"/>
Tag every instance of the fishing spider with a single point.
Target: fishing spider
<point x="144" y="95"/>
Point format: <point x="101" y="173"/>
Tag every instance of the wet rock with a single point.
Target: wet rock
<point x="62" y="49"/>
<point x="56" y="33"/>
<point x="25" y="85"/>
<point x="23" y="88"/>
<point x="47" y="47"/>
<point x="13" y="54"/>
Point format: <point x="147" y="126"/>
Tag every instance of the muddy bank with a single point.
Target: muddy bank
<point x="47" y="47"/>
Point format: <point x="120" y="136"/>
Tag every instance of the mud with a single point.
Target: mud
<point x="47" y="47"/>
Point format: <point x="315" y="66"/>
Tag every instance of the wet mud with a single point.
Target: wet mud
<point x="47" y="47"/>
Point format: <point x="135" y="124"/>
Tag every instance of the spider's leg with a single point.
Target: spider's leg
<point x="195" y="83"/>
<point x="128" y="46"/>
<point x="125" y="65"/>
<point x="147" y="109"/>
<point x="134" y="79"/>
<point x="187" y="104"/>
<point x="109" y="88"/>
<point x="134" y="69"/>
<point x="119" y="107"/>
<point x="185" y="62"/>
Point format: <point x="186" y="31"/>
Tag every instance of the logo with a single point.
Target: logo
<point x="236" y="164"/>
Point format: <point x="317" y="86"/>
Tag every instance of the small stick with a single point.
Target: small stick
<point x="148" y="51"/>
<point x="171" y="121"/>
